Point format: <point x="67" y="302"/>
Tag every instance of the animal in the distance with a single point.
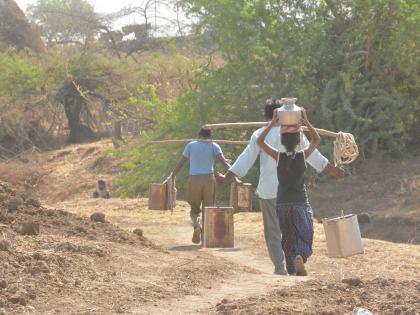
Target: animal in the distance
<point x="101" y="190"/>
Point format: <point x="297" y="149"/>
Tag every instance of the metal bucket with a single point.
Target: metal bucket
<point x="157" y="196"/>
<point x="343" y="236"/>
<point x="241" y="197"/>
<point x="218" y="227"/>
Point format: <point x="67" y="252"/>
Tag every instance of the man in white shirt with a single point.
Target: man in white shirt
<point x="268" y="182"/>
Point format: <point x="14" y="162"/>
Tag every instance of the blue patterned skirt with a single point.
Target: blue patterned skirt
<point x="296" y="225"/>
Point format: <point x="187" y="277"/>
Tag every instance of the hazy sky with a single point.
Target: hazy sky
<point x="109" y="6"/>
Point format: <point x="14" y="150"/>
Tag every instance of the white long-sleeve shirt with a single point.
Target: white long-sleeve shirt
<point x="268" y="182"/>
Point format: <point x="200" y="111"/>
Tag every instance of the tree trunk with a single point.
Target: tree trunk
<point x="72" y="107"/>
<point x="73" y="103"/>
<point x="116" y="134"/>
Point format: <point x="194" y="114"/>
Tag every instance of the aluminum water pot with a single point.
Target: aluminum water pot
<point x="289" y="113"/>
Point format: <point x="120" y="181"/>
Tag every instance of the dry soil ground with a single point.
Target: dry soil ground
<point x="76" y="266"/>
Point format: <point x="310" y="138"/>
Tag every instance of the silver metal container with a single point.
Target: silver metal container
<point x="343" y="236"/>
<point x="289" y="113"/>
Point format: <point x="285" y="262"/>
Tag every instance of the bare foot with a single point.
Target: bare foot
<point x="300" y="266"/>
<point x="196" y="235"/>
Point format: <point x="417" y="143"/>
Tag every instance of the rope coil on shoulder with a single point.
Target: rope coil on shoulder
<point x="345" y="149"/>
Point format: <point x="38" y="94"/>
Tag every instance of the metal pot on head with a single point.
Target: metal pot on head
<point x="289" y="113"/>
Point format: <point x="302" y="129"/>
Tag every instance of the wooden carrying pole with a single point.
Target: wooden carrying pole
<point x="345" y="147"/>
<point x="189" y="140"/>
<point x="260" y="124"/>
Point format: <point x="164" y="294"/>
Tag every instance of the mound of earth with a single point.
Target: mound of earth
<point x="49" y="250"/>
<point x="379" y="296"/>
<point x="56" y="262"/>
<point x="19" y="211"/>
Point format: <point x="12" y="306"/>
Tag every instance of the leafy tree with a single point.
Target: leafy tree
<point x="353" y="64"/>
<point x="64" y="21"/>
<point x="82" y="81"/>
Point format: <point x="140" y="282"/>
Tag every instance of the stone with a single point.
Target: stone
<point x="354" y="282"/>
<point x="138" y="232"/>
<point x="98" y="217"/>
<point x="17" y="299"/>
<point x="29" y="228"/>
<point x="3" y="284"/>
<point x="4" y="245"/>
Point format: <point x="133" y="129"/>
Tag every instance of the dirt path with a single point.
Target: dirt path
<point x="259" y="279"/>
<point x="181" y="278"/>
<point x="173" y="232"/>
<point x="251" y="275"/>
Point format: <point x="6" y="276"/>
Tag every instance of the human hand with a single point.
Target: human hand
<point x="305" y="120"/>
<point x="335" y="171"/>
<point x="220" y="179"/>
<point x="237" y="180"/>
<point x="275" y="119"/>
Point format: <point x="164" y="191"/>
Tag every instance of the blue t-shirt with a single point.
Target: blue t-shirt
<point x="201" y="155"/>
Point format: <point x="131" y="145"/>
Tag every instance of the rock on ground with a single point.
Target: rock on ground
<point x="29" y="228"/>
<point x="138" y="232"/>
<point x="4" y="245"/>
<point x="3" y="284"/>
<point x="98" y="217"/>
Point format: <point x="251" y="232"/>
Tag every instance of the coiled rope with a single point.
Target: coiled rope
<point x="345" y="149"/>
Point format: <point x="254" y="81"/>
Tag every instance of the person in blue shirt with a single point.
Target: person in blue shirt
<point x="201" y="187"/>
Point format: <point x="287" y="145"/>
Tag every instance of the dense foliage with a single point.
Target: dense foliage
<point x="59" y="94"/>
<point x="353" y="64"/>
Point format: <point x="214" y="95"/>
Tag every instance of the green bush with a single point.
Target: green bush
<point x="20" y="75"/>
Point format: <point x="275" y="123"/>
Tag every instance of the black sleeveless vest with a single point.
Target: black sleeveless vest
<point x="291" y="176"/>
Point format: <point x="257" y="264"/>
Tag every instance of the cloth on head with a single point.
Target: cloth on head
<point x="291" y="129"/>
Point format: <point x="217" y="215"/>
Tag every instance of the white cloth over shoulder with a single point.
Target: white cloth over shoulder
<point x="268" y="183"/>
